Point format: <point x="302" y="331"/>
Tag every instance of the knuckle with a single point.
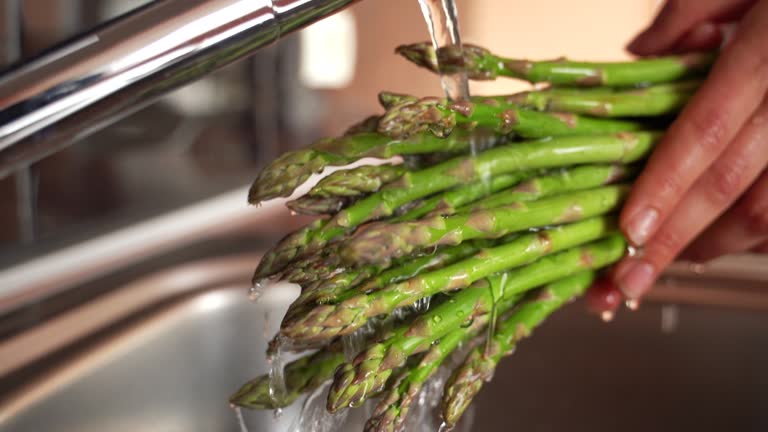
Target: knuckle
<point x="668" y="185"/>
<point x="725" y="181"/>
<point x="710" y="128"/>
<point x="665" y="246"/>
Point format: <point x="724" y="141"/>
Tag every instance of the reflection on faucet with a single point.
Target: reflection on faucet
<point x="58" y="98"/>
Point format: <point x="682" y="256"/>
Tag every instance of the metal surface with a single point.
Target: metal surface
<point x="172" y="368"/>
<point x="121" y="67"/>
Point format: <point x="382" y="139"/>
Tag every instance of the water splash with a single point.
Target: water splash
<point x="277" y="387"/>
<point x="315" y="418"/>
<point x="355" y="342"/>
<point x="442" y="20"/>
<point x="240" y="418"/>
<point x="422" y="416"/>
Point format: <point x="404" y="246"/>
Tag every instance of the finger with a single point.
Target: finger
<point x="743" y="227"/>
<point x="761" y="248"/>
<point x="678" y="17"/>
<point x="704" y="37"/>
<point x="711" y="119"/>
<point x="604" y="298"/>
<point x="735" y="170"/>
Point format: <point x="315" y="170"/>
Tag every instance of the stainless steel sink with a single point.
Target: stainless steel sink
<point x="183" y="339"/>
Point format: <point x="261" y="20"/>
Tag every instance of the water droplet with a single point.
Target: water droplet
<point x="632" y="304"/>
<point x="422" y="305"/>
<point x="436" y="319"/>
<point x="257" y="290"/>
<point x="631" y="251"/>
<point x="293" y="213"/>
<point x="607" y="316"/>
<point x="697" y="268"/>
<point x="277" y="413"/>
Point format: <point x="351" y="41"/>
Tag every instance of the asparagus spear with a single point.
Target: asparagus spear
<point x="380" y="242"/>
<point x="369" y="277"/>
<point x="391" y="411"/>
<point x="281" y="177"/>
<point x="327" y="321"/>
<point x="323" y="267"/>
<point x="566" y="180"/>
<point x="481" y="64"/>
<point x="660" y="99"/>
<point x="302" y="375"/>
<point x="548" y="153"/>
<point x="478" y="367"/>
<point x="558" y="182"/>
<point x="330" y="194"/>
<point x="442" y="117"/>
<point x="370" y="370"/>
<point x="449" y="201"/>
<point x="656" y="100"/>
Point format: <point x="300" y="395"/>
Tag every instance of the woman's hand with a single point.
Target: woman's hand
<point x="704" y="192"/>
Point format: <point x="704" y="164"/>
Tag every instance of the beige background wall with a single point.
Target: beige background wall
<point x="584" y="29"/>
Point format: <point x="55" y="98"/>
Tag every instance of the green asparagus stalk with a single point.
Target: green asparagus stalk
<point x="332" y="193"/>
<point x="481" y="64"/>
<point x="369" y="371"/>
<point x="357" y="181"/>
<point x="656" y="100"/>
<point x="378" y="243"/>
<point x="281" y="177"/>
<point x="301" y="376"/>
<point x="548" y="153"/>
<point x="392" y="410"/>
<point x="327" y="321"/>
<point x="478" y="367"/>
<point x="565" y="180"/>
<point x="369" y="277"/>
<point x="441" y="117"/>
<point x="449" y="201"/>
<point x="660" y="99"/>
<point x="561" y="181"/>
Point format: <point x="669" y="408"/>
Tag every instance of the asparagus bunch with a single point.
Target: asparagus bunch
<point x="503" y="210"/>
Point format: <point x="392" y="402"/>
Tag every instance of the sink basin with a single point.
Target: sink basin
<point x="172" y="346"/>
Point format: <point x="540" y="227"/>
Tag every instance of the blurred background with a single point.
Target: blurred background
<point x="125" y="259"/>
<point x="212" y="135"/>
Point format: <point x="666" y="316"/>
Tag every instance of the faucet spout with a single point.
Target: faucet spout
<point x="96" y="79"/>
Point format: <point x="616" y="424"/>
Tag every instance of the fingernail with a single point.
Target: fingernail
<point x="642" y="225"/>
<point x="636" y="279"/>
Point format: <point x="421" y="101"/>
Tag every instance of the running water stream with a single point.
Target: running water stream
<point x="443" y="24"/>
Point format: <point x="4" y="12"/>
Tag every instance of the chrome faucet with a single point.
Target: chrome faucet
<point x="100" y="77"/>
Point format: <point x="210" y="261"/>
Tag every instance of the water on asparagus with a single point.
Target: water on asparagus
<point x="443" y="24"/>
<point x="494" y="312"/>
<point x="277" y="387"/>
